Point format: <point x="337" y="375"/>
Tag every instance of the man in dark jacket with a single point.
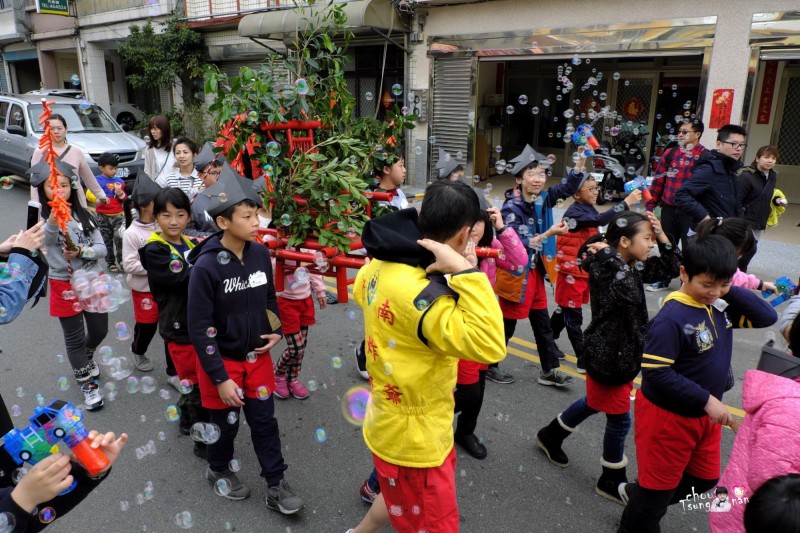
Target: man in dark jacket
<point x="713" y="188"/>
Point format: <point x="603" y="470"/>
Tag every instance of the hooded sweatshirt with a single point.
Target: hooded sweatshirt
<point x="169" y="283"/>
<point x="233" y="297"/>
<point x="135" y="236"/>
<point x="417" y="326"/>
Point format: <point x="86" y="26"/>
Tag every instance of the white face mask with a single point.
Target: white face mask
<point x="263" y="223"/>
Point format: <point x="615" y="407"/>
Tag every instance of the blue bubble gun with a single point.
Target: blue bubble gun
<point x="585" y="136"/>
<point x="638" y="183"/>
<point x="785" y="291"/>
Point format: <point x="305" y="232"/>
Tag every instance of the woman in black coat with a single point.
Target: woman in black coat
<point x="756" y="189"/>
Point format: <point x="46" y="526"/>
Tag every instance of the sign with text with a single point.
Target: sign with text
<point x="767" y="92"/>
<point x="721" y="108"/>
<point x="53" y="7"/>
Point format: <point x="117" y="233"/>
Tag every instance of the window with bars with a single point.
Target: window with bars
<point x="789" y="134"/>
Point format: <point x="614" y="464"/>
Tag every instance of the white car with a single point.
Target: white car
<point x="125" y="114"/>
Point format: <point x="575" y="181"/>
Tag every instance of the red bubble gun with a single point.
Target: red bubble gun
<point x="638" y="183"/>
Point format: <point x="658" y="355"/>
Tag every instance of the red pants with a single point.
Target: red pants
<point x="256" y="379"/>
<point x="420" y="499"/>
<point x="669" y="445"/>
<point x="185" y="359"/>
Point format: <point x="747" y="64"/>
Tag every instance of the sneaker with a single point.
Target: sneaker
<point x="367" y="494"/>
<point x="298" y="390"/>
<point x="282" y="498"/>
<point x="361" y="361"/>
<point x="498" y="376"/>
<point x="94" y="370"/>
<point x="332" y="299"/>
<point x="559" y="353"/>
<point x="281" y="387"/>
<point x="237" y="489"/>
<point x="175" y="381"/>
<point x="580" y="367"/>
<point x="91" y="395"/>
<point x="114" y="269"/>
<point x="142" y="362"/>
<point x="625" y="491"/>
<point x="554" y="378"/>
<point x="657" y="286"/>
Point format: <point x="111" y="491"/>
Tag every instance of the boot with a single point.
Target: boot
<point x="614" y="477"/>
<point x="550" y="438"/>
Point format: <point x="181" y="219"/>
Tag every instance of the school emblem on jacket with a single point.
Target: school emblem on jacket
<point x="372" y="287"/>
<point x="703" y="337"/>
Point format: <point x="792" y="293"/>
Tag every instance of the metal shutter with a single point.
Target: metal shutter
<point x="3" y="78"/>
<point x="453" y="121"/>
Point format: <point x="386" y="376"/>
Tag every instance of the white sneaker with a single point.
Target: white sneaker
<point x="175" y="381"/>
<point x="91" y="395"/>
<point x="94" y="371"/>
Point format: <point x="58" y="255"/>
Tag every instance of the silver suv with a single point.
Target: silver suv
<point x="90" y="129"/>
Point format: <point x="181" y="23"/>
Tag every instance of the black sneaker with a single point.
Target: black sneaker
<point x="227" y="484"/>
<point x="200" y="449"/>
<point x="560" y="354"/>
<point x="282" y="498"/>
<point x="555" y="378"/>
<point x="361" y="361"/>
<point x="498" y="376"/>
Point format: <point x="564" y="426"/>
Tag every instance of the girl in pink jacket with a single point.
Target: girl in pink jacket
<point x="472" y="376"/>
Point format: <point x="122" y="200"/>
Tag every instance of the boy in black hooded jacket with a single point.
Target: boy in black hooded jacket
<point x="231" y="292"/>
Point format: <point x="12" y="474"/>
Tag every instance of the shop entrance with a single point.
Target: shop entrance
<point x="786" y="133"/>
<point x="534" y="101"/>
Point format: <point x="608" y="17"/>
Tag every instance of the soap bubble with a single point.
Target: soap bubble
<point x="133" y="384"/>
<point x="124" y="506"/>
<point x="421" y="304"/>
<point x="6" y="183"/>
<point x="301" y="86"/>
<point x="147" y="304"/>
<point x="232" y="417"/>
<point x="301" y="275"/>
<point x="252" y="116"/>
<point x="336" y="362"/>
<point x="122" y="331"/>
<point x="262" y="392"/>
<point x="63" y="383"/>
<point x="432" y="139"/>
<point x="162" y="435"/>
<point x="639" y="265"/>
<point x="205" y="433"/>
<point x="186" y="386"/>
<point x="312" y="385"/>
<point x="320" y="435"/>
<point x="418" y="150"/>
<point x="510" y="110"/>
<point x="546" y="103"/>
<point x="355" y="403"/>
<point x="688" y="329"/>
<point x="616" y="75"/>
<point x="397" y="89"/>
<point x="165" y="395"/>
<point x="16" y="410"/>
<point x="368" y="96"/>
<point x="251" y="357"/>
<point x="120" y="368"/>
<point x="210" y="350"/>
<point x="286" y="220"/>
<point x="47" y="515"/>
<point x="175" y="266"/>
<point x="148" y="384"/>
<point x="621" y="223"/>
<point x="222" y="487"/>
<point x="173" y="413"/>
<point x="273" y="149"/>
<point x="223" y="257"/>
<point x="234" y="465"/>
<point x="523" y="99"/>
<point x="184" y="520"/>
<point x="534" y="110"/>
<point x="551" y="159"/>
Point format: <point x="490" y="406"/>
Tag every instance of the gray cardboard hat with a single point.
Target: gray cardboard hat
<point x="446" y="164"/>
<point x="41" y="171"/>
<point x="230" y="189"/>
<point x="528" y="157"/>
<point x="260" y="185"/>
<point x="144" y="189"/>
<point x="207" y="156"/>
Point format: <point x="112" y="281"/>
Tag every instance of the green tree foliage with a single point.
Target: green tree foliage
<point x="329" y="180"/>
<point x="156" y="59"/>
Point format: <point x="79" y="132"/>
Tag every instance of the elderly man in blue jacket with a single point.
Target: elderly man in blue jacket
<point x="713" y="189"/>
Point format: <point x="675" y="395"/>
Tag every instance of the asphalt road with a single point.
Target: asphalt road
<point x="514" y="489"/>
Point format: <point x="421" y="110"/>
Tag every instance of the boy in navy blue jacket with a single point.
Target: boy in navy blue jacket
<point x="230" y="293"/>
<point x="679" y="412"/>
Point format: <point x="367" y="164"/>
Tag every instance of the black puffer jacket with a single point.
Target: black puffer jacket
<point x="615" y="338"/>
<point x="755" y="193"/>
<point x="713" y="188"/>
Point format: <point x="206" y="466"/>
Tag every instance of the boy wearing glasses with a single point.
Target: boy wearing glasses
<point x="713" y="188"/>
<point x="572" y="288"/>
<point x="208" y="165"/>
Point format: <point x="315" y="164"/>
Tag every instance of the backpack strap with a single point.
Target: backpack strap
<point x="437" y="287"/>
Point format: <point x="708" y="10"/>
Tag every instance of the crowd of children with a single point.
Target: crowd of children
<point x="435" y="313"/>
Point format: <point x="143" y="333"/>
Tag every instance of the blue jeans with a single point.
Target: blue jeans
<point x="617" y="427"/>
